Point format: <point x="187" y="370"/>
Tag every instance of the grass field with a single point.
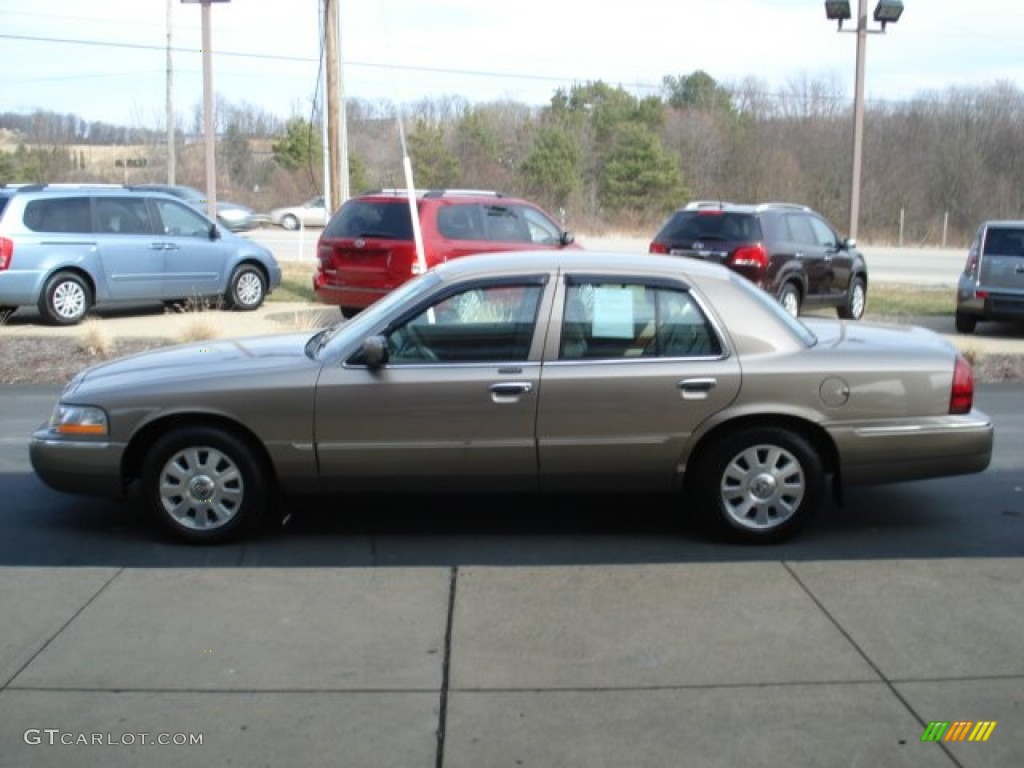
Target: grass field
<point x="888" y="300"/>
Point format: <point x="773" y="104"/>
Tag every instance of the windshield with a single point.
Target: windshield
<point x="770" y="303"/>
<point x="364" y="324"/>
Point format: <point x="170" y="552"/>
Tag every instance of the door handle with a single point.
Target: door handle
<point x="696" y="389"/>
<point x="511" y="388"/>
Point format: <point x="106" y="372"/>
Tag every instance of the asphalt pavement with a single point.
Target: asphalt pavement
<point x="192" y="656"/>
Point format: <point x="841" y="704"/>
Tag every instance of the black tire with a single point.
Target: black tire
<point x="760" y="485"/>
<point x="204" y="485"/>
<point x="349" y="312"/>
<point x="789" y="297"/>
<point x="247" y="288"/>
<point x="66" y="299"/>
<point x="5" y="314"/>
<point x="965" y="323"/>
<point x="856" y="300"/>
<point x="290" y="222"/>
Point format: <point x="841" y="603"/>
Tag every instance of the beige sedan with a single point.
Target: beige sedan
<point x="541" y="372"/>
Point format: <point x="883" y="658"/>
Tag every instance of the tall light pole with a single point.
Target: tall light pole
<point x="209" y="125"/>
<point x="885" y="12"/>
<point x="171" y="159"/>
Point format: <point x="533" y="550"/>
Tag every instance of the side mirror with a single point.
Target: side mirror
<point x="567" y="238"/>
<point x="375" y="351"/>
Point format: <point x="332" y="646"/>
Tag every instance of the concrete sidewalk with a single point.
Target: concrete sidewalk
<point x="714" y="664"/>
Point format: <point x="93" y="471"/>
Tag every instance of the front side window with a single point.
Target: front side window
<point x="542" y="230"/>
<point x="505" y="224"/>
<point x="179" y="220"/>
<point x="490" y="323"/>
<point x="617" y="320"/>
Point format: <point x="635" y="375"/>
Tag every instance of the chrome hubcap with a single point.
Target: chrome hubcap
<point x="201" y="488"/>
<point x="789" y="301"/>
<point x="762" y="487"/>
<point x="249" y="288"/>
<point x="857" y="301"/>
<point x="69" y="300"/>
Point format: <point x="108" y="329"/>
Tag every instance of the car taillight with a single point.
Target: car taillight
<point x="750" y="256"/>
<point x="6" y="252"/>
<point x="972" y="262"/>
<point x="961" y="398"/>
<point x="657" y="248"/>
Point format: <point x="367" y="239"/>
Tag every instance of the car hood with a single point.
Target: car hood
<point x="237" y="359"/>
<point x="876" y="336"/>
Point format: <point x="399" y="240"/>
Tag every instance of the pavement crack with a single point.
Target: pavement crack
<point x="442" y="710"/>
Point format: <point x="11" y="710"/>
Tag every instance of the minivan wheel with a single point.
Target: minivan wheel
<point x="856" y="300"/>
<point x="789" y="297"/>
<point x="66" y="299"/>
<point x="965" y="323"/>
<point x="761" y="484"/>
<point x="204" y="485"/>
<point x="5" y="314"/>
<point x="349" y="312"/>
<point x="247" y="288"/>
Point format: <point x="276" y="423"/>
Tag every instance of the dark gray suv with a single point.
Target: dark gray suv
<point x="67" y="248"/>
<point x="789" y="250"/>
<point x="991" y="286"/>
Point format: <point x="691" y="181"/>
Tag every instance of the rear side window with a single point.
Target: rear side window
<point x="1004" y="241"/>
<point x="460" y="222"/>
<point x="59" y="215"/>
<point x="123" y="215"/>
<point x="365" y="218"/>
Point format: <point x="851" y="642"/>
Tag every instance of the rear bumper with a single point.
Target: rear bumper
<point x="345" y="296"/>
<point x="893" y="453"/>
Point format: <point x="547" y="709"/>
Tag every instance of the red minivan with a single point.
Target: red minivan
<point x="368" y="248"/>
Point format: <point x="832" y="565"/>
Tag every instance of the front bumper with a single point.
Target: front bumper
<point x="78" y="466"/>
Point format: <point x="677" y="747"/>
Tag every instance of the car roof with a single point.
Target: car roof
<point x="451" y="195"/>
<point x="581" y="261"/>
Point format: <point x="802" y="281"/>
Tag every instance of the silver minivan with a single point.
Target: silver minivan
<point x="67" y="248"/>
<point x="992" y="284"/>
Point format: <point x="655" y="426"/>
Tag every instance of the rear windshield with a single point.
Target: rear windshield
<point x="363" y="218"/>
<point x="1004" y="241"/>
<point x="710" y="225"/>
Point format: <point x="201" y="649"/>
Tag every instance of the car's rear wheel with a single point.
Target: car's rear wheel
<point x="5" y="314"/>
<point x="761" y="484"/>
<point x="290" y="222"/>
<point x="66" y="299"/>
<point x="789" y="297"/>
<point x="856" y="300"/>
<point x="965" y="323"/>
<point x="204" y="485"/>
<point x="349" y="312"/>
<point x="247" y="288"/>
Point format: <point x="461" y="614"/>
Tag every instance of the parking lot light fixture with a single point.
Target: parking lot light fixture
<point x="888" y="10"/>
<point x="837" y="10"/>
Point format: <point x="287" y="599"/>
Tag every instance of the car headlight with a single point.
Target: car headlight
<point x="78" y="420"/>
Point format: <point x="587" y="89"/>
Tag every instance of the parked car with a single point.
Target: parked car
<point x="68" y="248"/>
<point x="368" y="247"/>
<point x="547" y="371"/>
<point x="234" y="216"/>
<point x="992" y="284"/>
<point x="312" y="213"/>
<point x="789" y="250"/>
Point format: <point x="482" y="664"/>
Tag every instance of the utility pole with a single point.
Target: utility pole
<point x="337" y="133"/>
<point x="171" y="160"/>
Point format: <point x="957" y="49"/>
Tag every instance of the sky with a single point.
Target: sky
<point x="106" y="60"/>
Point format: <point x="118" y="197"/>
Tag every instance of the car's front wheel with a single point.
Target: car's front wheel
<point x="5" y="314"/>
<point x="66" y="299"/>
<point x="290" y="222"/>
<point x="789" y="297"/>
<point x="204" y="484"/>
<point x="856" y="300"/>
<point x="247" y="288"/>
<point x="760" y="484"/>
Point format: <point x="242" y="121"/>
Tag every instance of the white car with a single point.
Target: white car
<point x="312" y="213"/>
